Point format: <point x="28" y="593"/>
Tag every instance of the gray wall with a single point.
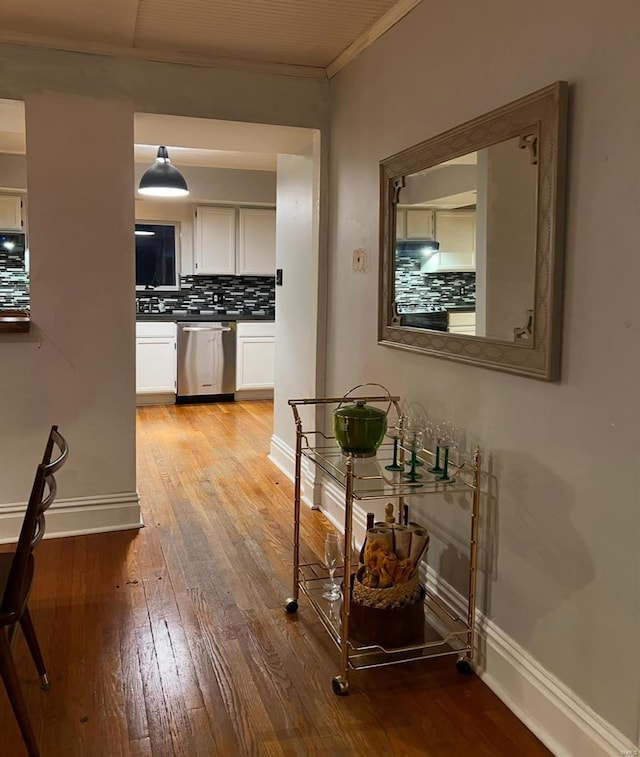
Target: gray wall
<point x="78" y="362"/>
<point x="560" y="567"/>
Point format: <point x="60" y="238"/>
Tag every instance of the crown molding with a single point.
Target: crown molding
<point x="390" y="18"/>
<point x="159" y="56"/>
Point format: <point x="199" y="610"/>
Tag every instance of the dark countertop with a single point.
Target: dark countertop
<point x="470" y="308"/>
<point x="204" y="317"/>
<point x="14" y="320"/>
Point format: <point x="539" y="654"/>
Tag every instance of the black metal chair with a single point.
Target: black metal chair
<point x="16" y="577"/>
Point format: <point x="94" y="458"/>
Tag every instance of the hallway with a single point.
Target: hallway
<point x="173" y="640"/>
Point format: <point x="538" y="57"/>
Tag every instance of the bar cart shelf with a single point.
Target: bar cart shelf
<point x="363" y="480"/>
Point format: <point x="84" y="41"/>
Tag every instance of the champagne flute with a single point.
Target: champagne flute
<point x="332" y="559"/>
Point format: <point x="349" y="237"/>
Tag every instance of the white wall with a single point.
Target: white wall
<point x="510" y="239"/>
<point x="563" y="578"/>
<point x="76" y="367"/>
<point x="297" y="254"/>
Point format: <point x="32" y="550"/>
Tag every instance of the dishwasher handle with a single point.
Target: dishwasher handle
<point x="206" y="328"/>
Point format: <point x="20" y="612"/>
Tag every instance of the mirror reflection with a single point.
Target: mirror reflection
<point x="471" y="239"/>
<point x="465" y="243"/>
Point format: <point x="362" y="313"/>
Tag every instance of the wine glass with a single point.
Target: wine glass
<point x="449" y="442"/>
<point x="439" y="433"/>
<point x="395" y="433"/>
<point x="412" y="440"/>
<point x="332" y="558"/>
<point x="418" y="420"/>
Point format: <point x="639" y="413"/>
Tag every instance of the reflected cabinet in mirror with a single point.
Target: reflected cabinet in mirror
<point x="472" y="228"/>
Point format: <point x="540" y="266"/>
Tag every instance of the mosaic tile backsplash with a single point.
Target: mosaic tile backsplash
<point x="214" y="295"/>
<point x="448" y="289"/>
<point x="14" y="281"/>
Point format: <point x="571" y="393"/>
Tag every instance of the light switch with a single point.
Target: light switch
<point x="359" y="260"/>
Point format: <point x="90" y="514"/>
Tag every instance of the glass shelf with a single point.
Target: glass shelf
<point x="372" y="481"/>
<point x="444" y="632"/>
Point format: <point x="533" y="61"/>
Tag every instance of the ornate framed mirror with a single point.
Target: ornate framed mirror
<point x="472" y="236"/>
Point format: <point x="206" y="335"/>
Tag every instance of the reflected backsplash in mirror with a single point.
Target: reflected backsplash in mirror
<point x="14" y="272"/>
<point x="466" y="241"/>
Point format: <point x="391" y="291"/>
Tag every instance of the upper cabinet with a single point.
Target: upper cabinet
<point x="456" y="234"/>
<point x="257" y="242"/>
<point x="415" y="223"/>
<point x="10" y="213"/>
<point x="215" y="240"/>
<point x="232" y="241"/>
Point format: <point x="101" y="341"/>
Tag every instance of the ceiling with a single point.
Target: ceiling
<point x="304" y="37"/>
<point x="314" y="37"/>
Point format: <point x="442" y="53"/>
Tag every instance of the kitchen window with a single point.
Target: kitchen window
<point x="157" y="255"/>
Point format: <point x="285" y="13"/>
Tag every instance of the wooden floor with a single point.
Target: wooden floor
<point x="173" y="640"/>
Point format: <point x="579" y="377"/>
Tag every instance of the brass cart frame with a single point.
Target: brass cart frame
<point x="446" y="631"/>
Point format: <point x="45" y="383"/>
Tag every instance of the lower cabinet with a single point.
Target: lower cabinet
<point x="255" y="357"/>
<point x="462" y="323"/>
<point x="155" y="361"/>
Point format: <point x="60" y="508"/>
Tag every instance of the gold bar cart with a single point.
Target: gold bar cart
<point x="446" y="632"/>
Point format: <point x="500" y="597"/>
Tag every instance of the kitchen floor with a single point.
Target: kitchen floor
<point x="173" y="640"/>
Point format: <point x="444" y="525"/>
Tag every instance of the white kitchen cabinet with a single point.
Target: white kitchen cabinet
<point x="256" y="242"/>
<point x="415" y="223"/>
<point x="456" y="234"/>
<point x="155" y="360"/>
<point x="215" y="240"/>
<point x="255" y="356"/>
<point x="11" y="213"/>
<point x="462" y="323"/>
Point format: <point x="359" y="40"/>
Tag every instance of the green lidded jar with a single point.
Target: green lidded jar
<point x="359" y="428"/>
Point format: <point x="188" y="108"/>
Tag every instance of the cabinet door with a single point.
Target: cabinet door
<point x="255" y="362"/>
<point x="10" y="213"/>
<point x="155" y="365"/>
<point x="420" y="224"/>
<point x="257" y="242"/>
<point x="456" y="232"/>
<point x="215" y="240"/>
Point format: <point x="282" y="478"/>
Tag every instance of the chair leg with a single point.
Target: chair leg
<point x="18" y="705"/>
<point x="32" y="642"/>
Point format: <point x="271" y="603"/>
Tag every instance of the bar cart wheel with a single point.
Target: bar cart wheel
<point x="339" y="686"/>
<point x="463" y="666"/>
<point x="291" y="606"/>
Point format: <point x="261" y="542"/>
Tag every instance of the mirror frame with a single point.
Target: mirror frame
<point x="544" y="115"/>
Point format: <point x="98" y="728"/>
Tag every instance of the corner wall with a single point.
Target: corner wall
<point x="561" y="519"/>
<point x="76" y="367"/>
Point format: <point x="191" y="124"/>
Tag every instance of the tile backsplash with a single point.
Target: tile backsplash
<point x="14" y="281"/>
<point x="447" y="288"/>
<point x="214" y="295"/>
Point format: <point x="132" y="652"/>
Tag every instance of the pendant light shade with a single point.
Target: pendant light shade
<point x="162" y="179"/>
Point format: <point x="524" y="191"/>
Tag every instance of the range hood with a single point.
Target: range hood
<point x="416" y="247"/>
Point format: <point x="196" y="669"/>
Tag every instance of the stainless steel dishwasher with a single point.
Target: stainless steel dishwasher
<point x="206" y="361"/>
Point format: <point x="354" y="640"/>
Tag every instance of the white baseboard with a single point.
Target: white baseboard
<point x="553" y="712"/>
<point x="78" y="516"/>
<point x="241" y="395"/>
<point x="283" y="457"/>
<point x="156" y="398"/>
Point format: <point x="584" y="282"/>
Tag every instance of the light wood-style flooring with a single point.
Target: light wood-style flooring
<point x="173" y="640"/>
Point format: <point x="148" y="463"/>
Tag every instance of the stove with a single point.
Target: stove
<point x="434" y="317"/>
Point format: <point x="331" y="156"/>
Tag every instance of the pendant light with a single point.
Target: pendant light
<point x="162" y="179"/>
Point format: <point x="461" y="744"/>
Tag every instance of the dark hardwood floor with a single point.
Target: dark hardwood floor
<point x="173" y="640"/>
